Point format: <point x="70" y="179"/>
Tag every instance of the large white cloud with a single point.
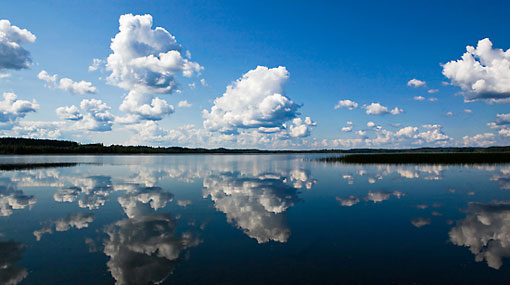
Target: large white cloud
<point x="144" y="61"/>
<point x="486" y="231"/>
<point x="12" y="53"/>
<point x="253" y="101"/>
<point x="482" y="72"/>
<point x="11" y="109"/>
<point x="67" y="84"/>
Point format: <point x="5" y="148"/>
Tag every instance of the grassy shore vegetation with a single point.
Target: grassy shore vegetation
<point x="28" y="166"/>
<point x="423" y="158"/>
<point x="10" y="145"/>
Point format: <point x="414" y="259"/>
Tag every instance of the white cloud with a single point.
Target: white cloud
<point x="66" y="84"/>
<point x="348" y="104"/>
<point x="4" y="75"/>
<point x="347" y="128"/>
<point x="69" y="113"/>
<point x="146" y="61"/>
<point x="483" y="73"/>
<point x="184" y="104"/>
<point x="255" y="100"/>
<point x="96" y="64"/>
<point x="485" y="139"/>
<point x="419" y="98"/>
<point x="416" y="83"/>
<point x="97" y="118"/>
<point x="301" y="128"/>
<point x="370" y="124"/>
<point x="202" y="81"/>
<point x="432" y="91"/>
<point x="12" y="109"/>
<point x="468" y="111"/>
<point x="503" y="119"/>
<point x="432" y="99"/>
<point x="449" y="114"/>
<point x="406" y="132"/>
<point x="378" y="109"/>
<point x="433" y="135"/>
<point x="12" y="53"/>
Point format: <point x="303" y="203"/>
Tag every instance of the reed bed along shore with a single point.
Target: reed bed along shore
<point x="421" y="158"/>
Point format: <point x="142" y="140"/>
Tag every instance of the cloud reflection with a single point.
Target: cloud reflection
<point x="485" y="231"/>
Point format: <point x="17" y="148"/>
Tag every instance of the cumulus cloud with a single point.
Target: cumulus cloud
<point x="12" y="53"/>
<point x="255" y="100"/>
<point x="348" y="104"/>
<point x="10" y="272"/>
<point x="96" y="64"/>
<point x="145" y="61"/>
<point x="485" y="231"/>
<point x="145" y="250"/>
<point x="347" y="128"/>
<point x="416" y="83"/>
<point x="407" y="132"/>
<point x="12" y="109"/>
<point x="485" y="139"/>
<point x="97" y="118"/>
<point x="419" y="98"/>
<point x="483" y="73"/>
<point x="69" y="113"/>
<point x="378" y="109"/>
<point x="184" y="104"/>
<point x="66" y="84"/>
<point x="301" y="128"/>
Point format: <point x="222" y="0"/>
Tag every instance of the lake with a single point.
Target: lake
<point x="250" y="219"/>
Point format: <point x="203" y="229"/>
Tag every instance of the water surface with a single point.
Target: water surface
<point x="250" y="219"/>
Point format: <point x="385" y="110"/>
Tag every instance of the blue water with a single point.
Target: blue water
<point x="251" y="219"/>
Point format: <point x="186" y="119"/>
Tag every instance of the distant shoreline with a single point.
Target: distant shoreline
<point x="20" y="146"/>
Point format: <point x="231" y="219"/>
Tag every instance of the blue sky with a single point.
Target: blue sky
<point x="267" y="74"/>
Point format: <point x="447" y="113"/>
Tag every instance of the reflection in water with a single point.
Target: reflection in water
<point x="13" y="199"/>
<point x="486" y="231"/>
<point x="79" y="221"/>
<point x="503" y="178"/>
<point x="10" y="253"/>
<point x="348" y="202"/>
<point x="256" y="205"/>
<point x="379" y="196"/>
<point x="139" y="200"/>
<point x="146" y="249"/>
<point x="420" y="222"/>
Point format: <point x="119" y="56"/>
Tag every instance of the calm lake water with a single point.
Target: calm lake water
<point x="251" y="219"/>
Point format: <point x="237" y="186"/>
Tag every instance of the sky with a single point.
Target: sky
<point x="262" y="74"/>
